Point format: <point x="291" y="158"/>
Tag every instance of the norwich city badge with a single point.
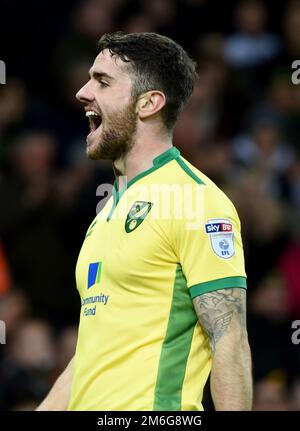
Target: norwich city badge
<point x="137" y="215"/>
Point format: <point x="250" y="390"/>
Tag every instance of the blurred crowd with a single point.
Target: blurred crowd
<point x="241" y="128"/>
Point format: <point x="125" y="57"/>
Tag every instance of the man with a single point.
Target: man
<point x="162" y="285"/>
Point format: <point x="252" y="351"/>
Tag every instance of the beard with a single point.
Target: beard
<point x="117" y="134"/>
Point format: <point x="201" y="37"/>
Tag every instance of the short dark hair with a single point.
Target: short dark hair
<point x="158" y="63"/>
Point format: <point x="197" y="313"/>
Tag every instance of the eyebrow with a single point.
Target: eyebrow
<point x="99" y="74"/>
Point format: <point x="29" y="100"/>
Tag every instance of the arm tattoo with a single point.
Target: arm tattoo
<point x="216" y="310"/>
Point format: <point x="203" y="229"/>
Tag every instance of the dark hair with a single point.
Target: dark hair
<point x="158" y="63"/>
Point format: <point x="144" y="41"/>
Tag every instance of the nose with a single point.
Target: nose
<point x="84" y="94"/>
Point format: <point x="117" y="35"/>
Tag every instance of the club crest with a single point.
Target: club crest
<point x="137" y="215"/>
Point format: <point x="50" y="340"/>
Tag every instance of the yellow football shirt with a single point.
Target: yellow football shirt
<point x="167" y="237"/>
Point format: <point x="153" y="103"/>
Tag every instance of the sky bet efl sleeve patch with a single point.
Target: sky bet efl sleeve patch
<point x="220" y="232"/>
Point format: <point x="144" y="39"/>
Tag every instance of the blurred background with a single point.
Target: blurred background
<point x="241" y="128"/>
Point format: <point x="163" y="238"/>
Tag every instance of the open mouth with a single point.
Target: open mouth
<point x="95" y="120"/>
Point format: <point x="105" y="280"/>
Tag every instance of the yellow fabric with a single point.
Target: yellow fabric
<point x="193" y="246"/>
<point x="140" y="345"/>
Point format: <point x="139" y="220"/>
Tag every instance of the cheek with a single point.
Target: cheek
<point x="112" y="101"/>
<point x="123" y="94"/>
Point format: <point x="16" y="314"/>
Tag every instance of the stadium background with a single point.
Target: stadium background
<point x="241" y="128"/>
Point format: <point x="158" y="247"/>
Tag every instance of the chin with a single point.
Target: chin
<point x="93" y="151"/>
<point x="97" y="152"/>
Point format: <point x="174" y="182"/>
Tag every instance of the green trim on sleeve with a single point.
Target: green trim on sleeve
<point x="222" y="283"/>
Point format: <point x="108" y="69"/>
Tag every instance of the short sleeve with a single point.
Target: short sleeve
<point x="208" y="243"/>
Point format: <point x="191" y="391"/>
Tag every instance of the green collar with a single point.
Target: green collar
<point x="159" y="161"/>
<point x="170" y="154"/>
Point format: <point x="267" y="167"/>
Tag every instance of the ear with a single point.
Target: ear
<point x="150" y="103"/>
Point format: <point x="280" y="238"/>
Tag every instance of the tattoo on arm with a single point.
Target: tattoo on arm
<point x="216" y="310"/>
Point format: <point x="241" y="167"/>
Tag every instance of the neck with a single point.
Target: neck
<point x="140" y="158"/>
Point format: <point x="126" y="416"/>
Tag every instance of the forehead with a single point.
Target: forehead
<point x="111" y="65"/>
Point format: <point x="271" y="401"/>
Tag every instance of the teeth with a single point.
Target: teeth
<point x="92" y="114"/>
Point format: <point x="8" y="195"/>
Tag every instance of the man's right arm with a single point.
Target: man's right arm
<point x="59" y="396"/>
